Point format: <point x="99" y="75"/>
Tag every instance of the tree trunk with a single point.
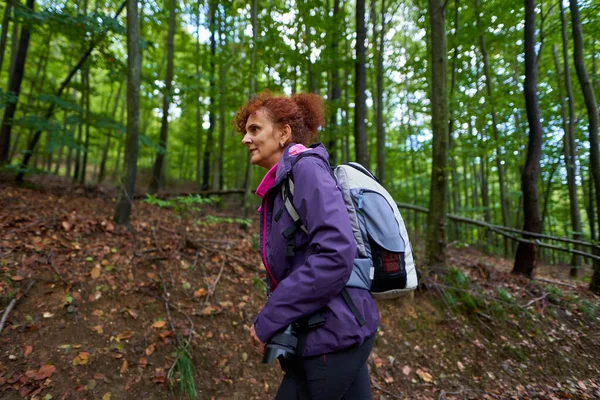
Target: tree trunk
<point x="360" y="104"/>
<point x="127" y="186"/>
<point x="252" y="89"/>
<point x="379" y="119"/>
<point x="4" y="33"/>
<point x="110" y="133"/>
<point x="592" y="110"/>
<point x="86" y="110"/>
<point x="14" y="87"/>
<point x="208" y="147"/>
<point x="158" y="169"/>
<point x="526" y="256"/>
<point x="219" y="170"/>
<point x="569" y="141"/>
<point x="453" y="166"/>
<point x="491" y="101"/>
<point x="436" y="221"/>
<point x="335" y="86"/>
<point x="197" y="101"/>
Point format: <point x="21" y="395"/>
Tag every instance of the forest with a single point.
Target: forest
<point x="122" y="175"/>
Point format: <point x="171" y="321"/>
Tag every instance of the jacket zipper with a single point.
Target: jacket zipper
<point x="264" y="243"/>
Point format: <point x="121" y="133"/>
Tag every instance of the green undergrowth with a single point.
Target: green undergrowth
<point x="183" y="371"/>
<point x="190" y="206"/>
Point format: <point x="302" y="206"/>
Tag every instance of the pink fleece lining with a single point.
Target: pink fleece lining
<point x="267" y="182"/>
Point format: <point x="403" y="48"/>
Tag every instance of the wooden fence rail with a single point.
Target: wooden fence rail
<point x="504" y="231"/>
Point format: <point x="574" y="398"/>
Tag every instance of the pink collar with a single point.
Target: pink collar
<point x="267" y="182"/>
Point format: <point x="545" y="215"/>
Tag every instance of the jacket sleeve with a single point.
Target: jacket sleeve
<point x="311" y="286"/>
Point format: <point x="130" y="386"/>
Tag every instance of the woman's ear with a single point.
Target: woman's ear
<point x="286" y="134"/>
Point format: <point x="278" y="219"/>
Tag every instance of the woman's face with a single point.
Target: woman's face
<point x="263" y="140"/>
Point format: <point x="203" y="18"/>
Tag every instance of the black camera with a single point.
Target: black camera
<point x="282" y="344"/>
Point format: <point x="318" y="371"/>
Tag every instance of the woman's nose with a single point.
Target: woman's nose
<point x="246" y="139"/>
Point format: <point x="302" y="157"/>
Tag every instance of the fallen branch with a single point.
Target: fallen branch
<point x="443" y="394"/>
<point x="198" y="246"/>
<point x="211" y="288"/>
<point x="555" y="282"/>
<point x="166" y="302"/>
<point x="12" y="305"/>
<point x="535" y="300"/>
<point x="382" y="390"/>
<point x="51" y="261"/>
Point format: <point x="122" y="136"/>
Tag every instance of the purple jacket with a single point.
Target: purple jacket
<point x="313" y="278"/>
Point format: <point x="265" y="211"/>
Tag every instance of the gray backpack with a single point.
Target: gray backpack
<point x="385" y="264"/>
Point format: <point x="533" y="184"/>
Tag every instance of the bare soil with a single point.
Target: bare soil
<point x="108" y="308"/>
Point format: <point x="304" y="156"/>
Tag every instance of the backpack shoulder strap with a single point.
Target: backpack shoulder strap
<point x="287" y="193"/>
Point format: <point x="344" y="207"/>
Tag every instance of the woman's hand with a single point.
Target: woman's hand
<point x="260" y="346"/>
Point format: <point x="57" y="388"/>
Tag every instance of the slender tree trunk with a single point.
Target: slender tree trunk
<point x="526" y="257"/>
<point x="158" y="169"/>
<point x="569" y="142"/>
<point x="453" y="166"/>
<point x="360" y="105"/>
<point x="491" y="101"/>
<point x="436" y="221"/>
<point x="14" y="87"/>
<point x="592" y="110"/>
<point x="127" y="187"/>
<point x="4" y="33"/>
<point x="108" y="137"/>
<point x="197" y="101"/>
<point x="86" y="144"/>
<point x="219" y="170"/>
<point x="209" y="147"/>
<point x="335" y="86"/>
<point x="252" y="89"/>
<point x="379" y="119"/>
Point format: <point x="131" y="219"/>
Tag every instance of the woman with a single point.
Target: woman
<point x="306" y="274"/>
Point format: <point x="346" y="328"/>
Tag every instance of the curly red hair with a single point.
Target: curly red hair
<point x="303" y="112"/>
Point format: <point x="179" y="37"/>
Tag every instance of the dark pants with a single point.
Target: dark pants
<point x="339" y="375"/>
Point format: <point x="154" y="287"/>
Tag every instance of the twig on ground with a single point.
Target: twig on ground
<point x="165" y="300"/>
<point x="213" y="286"/>
<point x="12" y="305"/>
<point x="162" y="228"/>
<point x="198" y="246"/>
<point x="535" y="300"/>
<point x="51" y="262"/>
<point x="39" y="222"/>
<point x="382" y="390"/>
<point x="443" y="394"/>
<point x="555" y="282"/>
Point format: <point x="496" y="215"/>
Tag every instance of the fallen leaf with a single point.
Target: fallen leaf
<point x="388" y="379"/>
<point x="91" y="385"/>
<point x="143" y="362"/>
<point x="48" y="315"/>
<point x="425" y="376"/>
<point x="406" y="370"/>
<point x="95" y="272"/>
<point x="125" y="335"/>
<point x="98" y="329"/>
<point x="159" y="324"/>
<point x="460" y="366"/>
<point x="378" y="362"/>
<point x="81" y="358"/>
<point x="44" y="372"/>
<point x="133" y="313"/>
<point x="149" y="350"/>
<point x="27" y="351"/>
<point x="200" y="292"/>
<point x="97" y="313"/>
<point x="66" y="226"/>
<point x="124" y="366"/>
<point x="17" y="278"/>
<point x="99" y="376"/>
<point x="160" y="376"/>
<point x="106" y="396"/>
